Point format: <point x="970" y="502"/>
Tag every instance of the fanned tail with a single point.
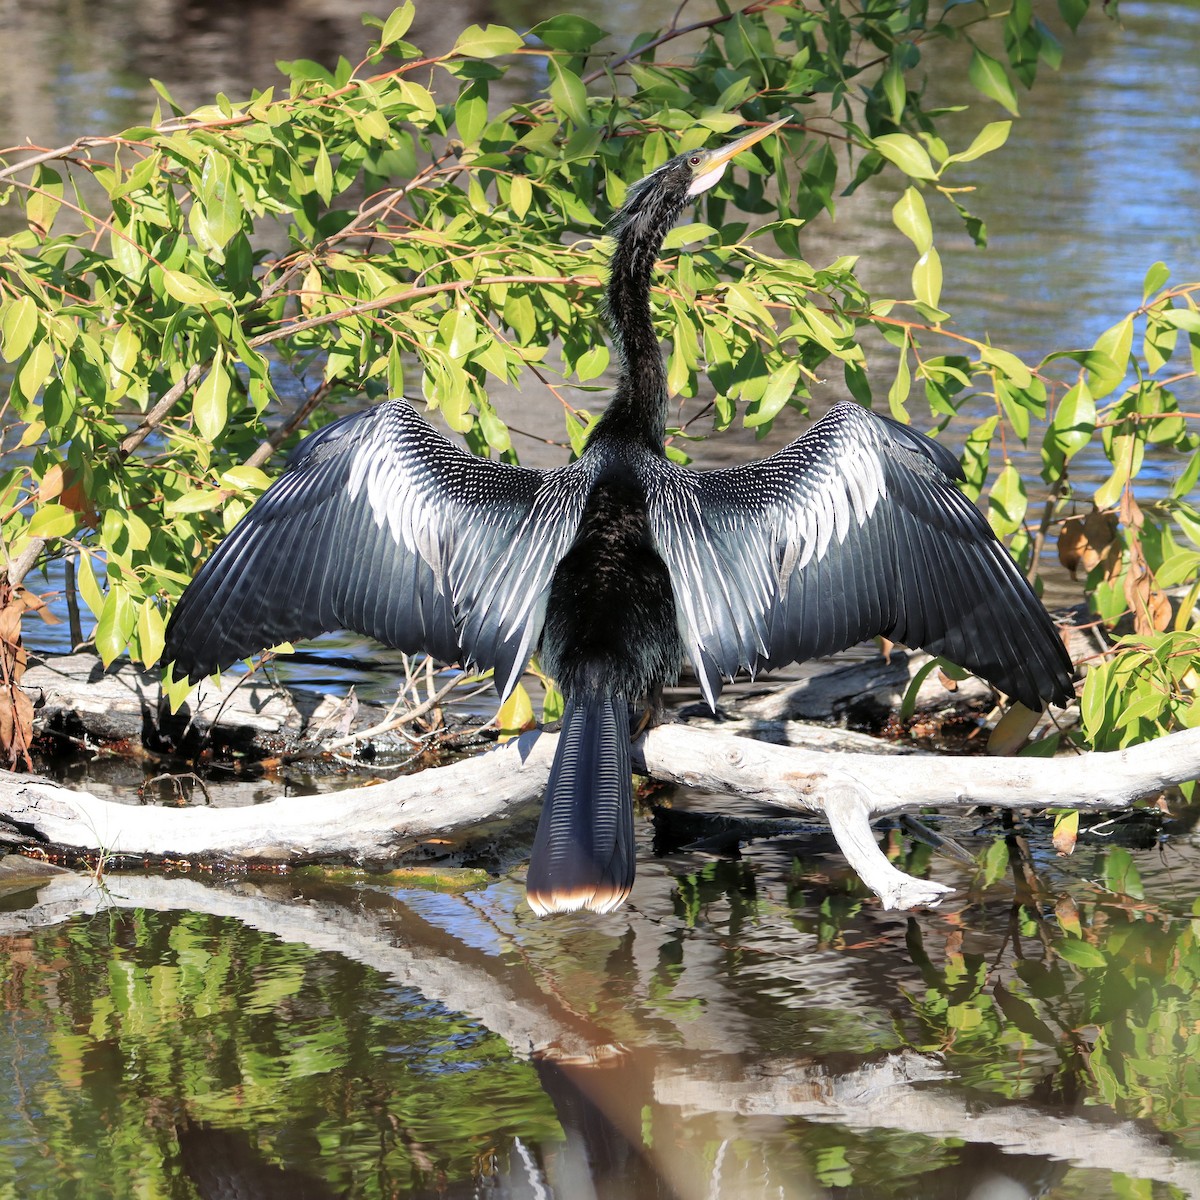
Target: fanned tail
<point x="584" y="855"/>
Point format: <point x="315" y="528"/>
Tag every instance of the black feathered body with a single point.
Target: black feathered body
<point x="611" y="624"/>
<point x="621" y="565"/>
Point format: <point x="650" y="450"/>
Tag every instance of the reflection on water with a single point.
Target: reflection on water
<point x="746" y="1028"/>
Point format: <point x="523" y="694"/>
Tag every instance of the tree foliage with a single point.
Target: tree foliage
<point x="392" y="227"/>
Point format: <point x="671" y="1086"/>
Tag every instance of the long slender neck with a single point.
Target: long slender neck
<point x="638" y="410"/>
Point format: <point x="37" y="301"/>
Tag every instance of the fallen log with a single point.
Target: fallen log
<point x="376" y="823"/>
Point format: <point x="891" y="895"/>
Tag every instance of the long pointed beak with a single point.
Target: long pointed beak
<point x="722" y="156"/>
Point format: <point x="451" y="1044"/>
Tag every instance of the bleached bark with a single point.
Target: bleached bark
<point x="379" y="822"/>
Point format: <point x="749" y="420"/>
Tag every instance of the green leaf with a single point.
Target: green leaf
<point x="1082" y="954"/>
<point x="592" y="363"/>
<point x="995" y="862"/>
<point x="1018" y="373"/>
<point x="911" y="217"/>
<point x="470" y="112"/>
<point x="977" y="456"/>
<point x="51" y="521"/>
<point x="35" y="370"/>
<point x="1074" y="420"/>
<point x="1126" y="455"/>
<point x="1073" y="11"/>
<point x="122" y="358"/>
<point x="247" y="478"/>
<point x="222" y="208"/>
<point x="894" y="88"/>
<point x="150" y="633"/>
<point x="568" y="94"/>
<point x="188" y="290"/>
<point x="901" y="385"/>
<point x="323" y="174"/>
<point x="1114" y="345"/>
<point x="43" y="204"/>
<point x="1018" y="414"/>
<point x="520" y="195"/>
<point x="567" y="32"/>
<point x="18" y="324"/>
<point x="1156" y="277"/>
<point x="516" y="714"/>
<point x="397" y="24"/>
<point x="989" y="77"/>
<point x="991" y="137"/>
<point x="117" y="620"/>
<point x="779" y="390"/>
<point x="1187" y="319"/>
<point x="210" y="407"/>
<point x="906" y="153"/>
<point x="200" y="500"/>
<point x="1007" y="502"/>
<point x="487" y="42"/>
<point x="85" y="580"/>
<point x="927" y="278"/>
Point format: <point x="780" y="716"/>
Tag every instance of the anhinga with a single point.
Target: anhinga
<point x="619" y="566"/>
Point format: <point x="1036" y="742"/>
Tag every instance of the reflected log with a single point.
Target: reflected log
<point x="508" y="995"/>
<point x="380" y="822"/>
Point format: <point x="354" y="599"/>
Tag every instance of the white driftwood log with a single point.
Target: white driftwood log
<point x="374" y="823"/>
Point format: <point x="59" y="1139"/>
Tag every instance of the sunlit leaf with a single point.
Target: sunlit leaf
<point x="188" y="290"/>
<point x="911" y="217"/>
<point x="487" y="42"/>
<point x="516" y="714"/>
<point x="211" y="404"/>
<point x="991" y="137"/>
<point x="567" y="32"/>
<point x="1007" y="501"/>
<point x="18" y="324"/>
<point x="907" y="153"/>
<point x="989" y="76"/>
<point x="397" y="24"/>
<point x="927" y="278"/>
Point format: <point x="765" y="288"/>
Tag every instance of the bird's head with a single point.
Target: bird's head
<point x="660" y="196"/>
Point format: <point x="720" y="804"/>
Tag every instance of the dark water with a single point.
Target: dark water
<point x="745" y="1028"/>
<point x="751" y="1027"/>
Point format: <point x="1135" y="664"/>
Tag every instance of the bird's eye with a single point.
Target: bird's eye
<point x="694" y="160"/>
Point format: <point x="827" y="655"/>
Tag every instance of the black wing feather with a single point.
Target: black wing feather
<point x="383" y="526"/>
<point x="862" y="532"/>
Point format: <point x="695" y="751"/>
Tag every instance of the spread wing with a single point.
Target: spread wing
<point x="853" y="530"/>
<point x="383" y="526"/>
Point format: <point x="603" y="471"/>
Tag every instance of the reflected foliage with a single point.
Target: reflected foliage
<point x="166" y="1054"/>
<point x="142" y="1043"/>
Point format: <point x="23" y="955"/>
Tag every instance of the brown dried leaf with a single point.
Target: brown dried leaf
<point x="1084" y="541"/>
<point x="1012" y="729"/>
<point x="16" y="709"/>
<point x="1067" y="913"/>
<point x="1065" y="834"/>
<point x="1130" y="511"/>
<point x="951" y="685"/>
<point x="1160" y="610"/>
<point x="51" y="485"/>
<point x="1072" y="543"/>
<point x="1150" y="607"/>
